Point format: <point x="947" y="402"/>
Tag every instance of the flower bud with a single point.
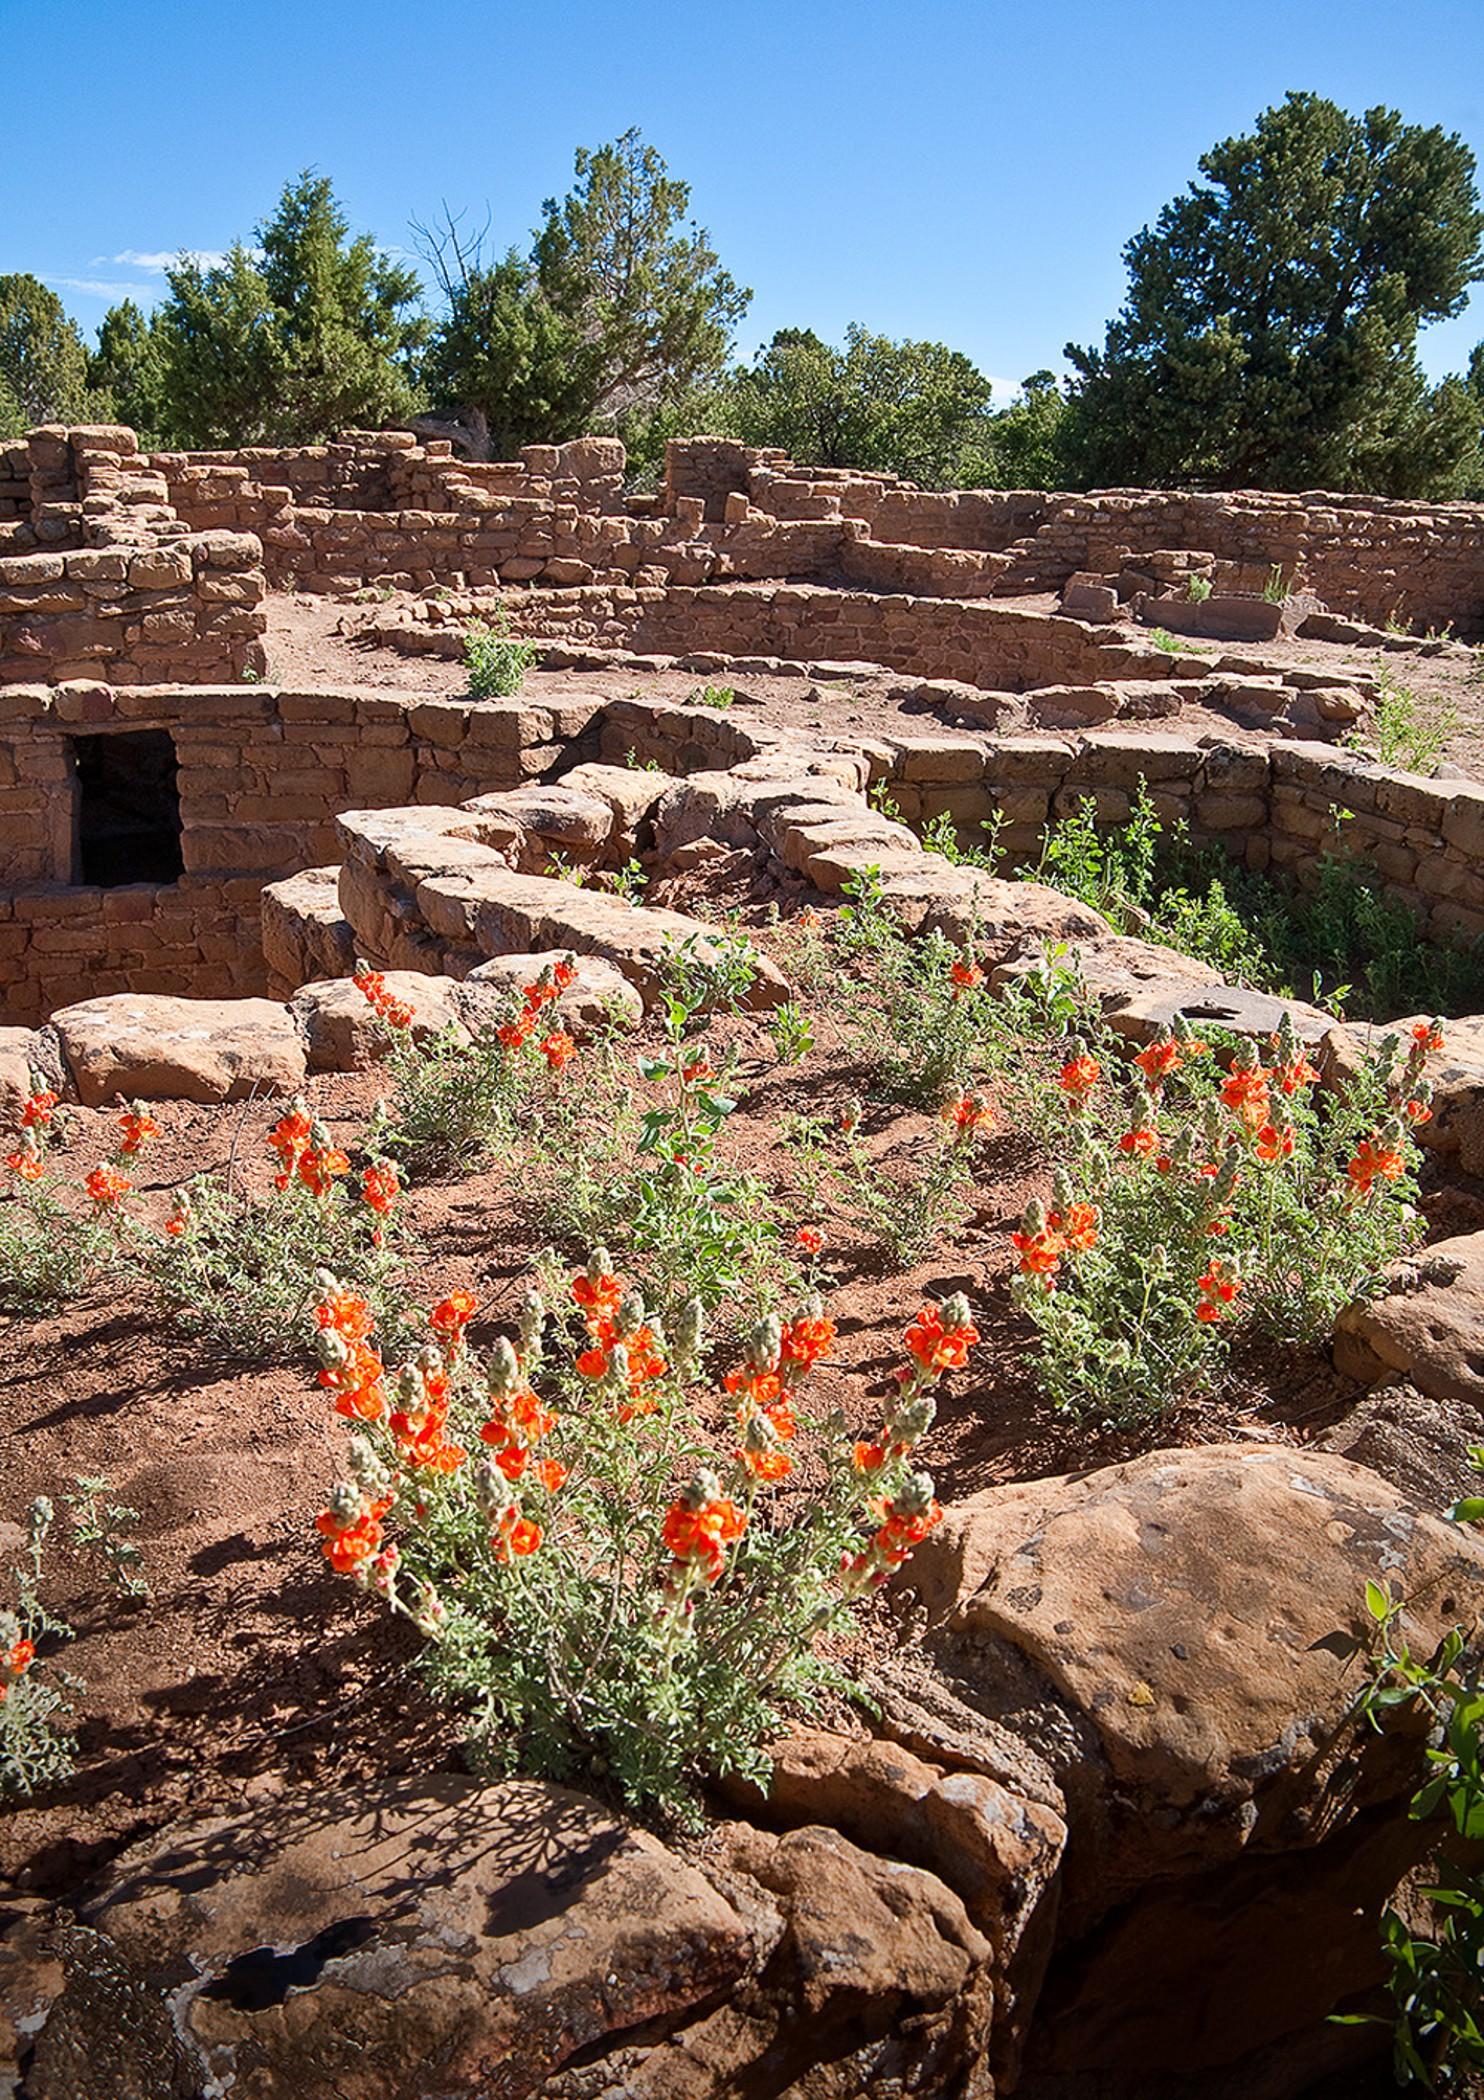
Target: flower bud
<point x="915" y="1496"/>
<point x="765" y="1343"/>
<point x="492" y="1491"/>
<point x="503" y="1376"/>
<point x="954" y="1312"/>
<point x="1062" y="1194"/>
<point x="690" y="1327"/>
<point x="630" y="1317"/>
<point x="600" y="1264"/>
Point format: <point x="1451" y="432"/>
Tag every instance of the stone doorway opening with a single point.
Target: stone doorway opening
<point x="128" y="809"/>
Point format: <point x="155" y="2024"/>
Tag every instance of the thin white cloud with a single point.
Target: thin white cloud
<point x="97" y="287"/>
<point x="162" y="259"/>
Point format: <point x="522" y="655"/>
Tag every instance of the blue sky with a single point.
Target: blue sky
<point x="945" y="169"/>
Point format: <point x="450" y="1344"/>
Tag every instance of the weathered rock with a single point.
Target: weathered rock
<point x="598" y="994"/>
<point x="355" y="1948"/>
<point x="1428" y="1329"/>
<point x="161" y="1049"/>
<point x="18" y="1048"/>
<point x="1141" y="1016"/>
<point x="342" y="1034"/>
<point x="1153" y="1630"/>
<point x="76" y="2023"/>
<point x="999" y="1852"/>
<point x="1418" y="1443"/>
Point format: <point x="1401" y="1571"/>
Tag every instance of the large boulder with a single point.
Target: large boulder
<point x="18" y="1051"/>
<point x="164" y="1049"/>
<point x="1161" y="1632"/>
<point x="443" y="1937"/>
<point x="1428" y="1327"/>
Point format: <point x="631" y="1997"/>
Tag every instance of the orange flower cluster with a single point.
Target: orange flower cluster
<point x="27" y="1162"/>
<point x="698" y="1528"/>
<point x="350" y="1365"/>
<point x="903" y="1521"/>
<point x="1377" y="1158"/>
<point x="625" y="1350"/>
<point x="36" y="1114"/>
<point x="969" y="1113"/>
<point x="518" y="1421"/>
<point x="965" y="977"/>
<point x="107" y="1187"/>
<point x="941" y="1337"/>
<point x="1079" y="1075"/>
<point x="380" y="1187"/>
<point x="1045" y="1236"/>
<point x="419" y="1422"/>
<point x="1215" y="1291"/>
<point x="305" y="1153"/>
<point x="809" y="1240"/>
<point x="371" y="984"/>
<point x="765" y="1385"/>
<point x="350" y="1528"/>
<point x="940" y="1332"/>
<point x="135" y="1129"/>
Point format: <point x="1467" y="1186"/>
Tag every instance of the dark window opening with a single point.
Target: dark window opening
<point x="128" y="808"/>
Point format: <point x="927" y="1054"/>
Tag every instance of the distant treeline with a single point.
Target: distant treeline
<point x="1268" y="338"/>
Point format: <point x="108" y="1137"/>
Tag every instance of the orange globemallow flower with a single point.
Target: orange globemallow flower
<point x="966" y="977"/>
<point x="809" y="1239"/>
<point x="1216" y="1290"/>
<point x="319" y="1171"/>
<point x="451" y="1315"/>
<point x="1159" y="1059"/>
<point x="380" y="1187"/>
<point x="1078" y="1226"/>
<point x="1139" y="1144"/>
<point x="558" y="1049"/>
<point x="37" y="1111"/>
<point x="107" y="1186"/>
<point x="902" y="1529"/>
<point x="1428" y="1035"/>
<point x="1299" y="1072"/>
<point x="514" y="1536"/>
<point x="1375" y="1160"/>
<point x="1273" y="1143"/>
<point x="1079" y="1075"/>
<point x="597" y="1290"/>
<point x="701" y="1524"/>
<point x="135" y="1130"/>
<point x="806" y="1340"/>
<point x="1245" y="1093"/>
<point x="350" y="1529"/>
<point x="941" y="1336"/>
<point x="1040" y="1250"/>
<point x="970" y="1112"/>
<point x="29" y="1166"/>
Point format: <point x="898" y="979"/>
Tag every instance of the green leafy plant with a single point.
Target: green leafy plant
<point x="495" y="660"/>
<point x="605" y="1578"/>
<point x="1438" y="2010"/>
<point x="792" y="1032"/>
<point x="1196" y="1199"/>
<point x="714" y="696"/>
<point x="1406" y="731"/>
<point x="1197" y="589"/>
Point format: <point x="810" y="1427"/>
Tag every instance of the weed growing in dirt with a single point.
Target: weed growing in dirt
<point x="714" y="696"/>
<point x="496" y="661"/>
<point x="1204" y="1198"/>
<point x="607" y="1581"/>
<point x="1406" y="730"/>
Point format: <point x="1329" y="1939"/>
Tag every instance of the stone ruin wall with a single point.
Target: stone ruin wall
<point x="132" y="595"/>
<point x="99" y="576"/>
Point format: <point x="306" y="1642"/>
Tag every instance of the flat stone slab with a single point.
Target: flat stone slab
<point x="1142" y="1016"/>
<point x="164" y="1049"/>
<point x="342" y="1034"/>
<point x="357" y="1946"/>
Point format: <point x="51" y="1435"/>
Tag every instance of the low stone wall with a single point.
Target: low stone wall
<point x="1280" y="806"/>
<point x="187" y="610"/>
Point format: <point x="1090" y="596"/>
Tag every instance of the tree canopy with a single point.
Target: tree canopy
<point x="43" y="359"/>
<point x="619" y="305"/>
<point x="1269" y="333"/>
<point x="285" y="342"/>
<point x="916" y="409"/>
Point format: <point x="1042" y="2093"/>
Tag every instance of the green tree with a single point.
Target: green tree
<point x="43" y="359"/>
<point x="305" y="334"/>
<point x="1026" y="446"/>
<point x="128" y="366"/>
<point x="1269" y="333"/>
<point x="620" y="305"/>
<point x="916" y="409"/>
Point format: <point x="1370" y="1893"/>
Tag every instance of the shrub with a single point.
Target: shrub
<point x="1406" y="731"/>
<point x="608" y="1581"/>
<point x="48" y="1250"/>
<point x="496" y="661"/>
<point x="1201" y="1200"/>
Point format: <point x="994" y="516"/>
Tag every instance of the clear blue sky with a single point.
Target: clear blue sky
<point x="936" y="168"/>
